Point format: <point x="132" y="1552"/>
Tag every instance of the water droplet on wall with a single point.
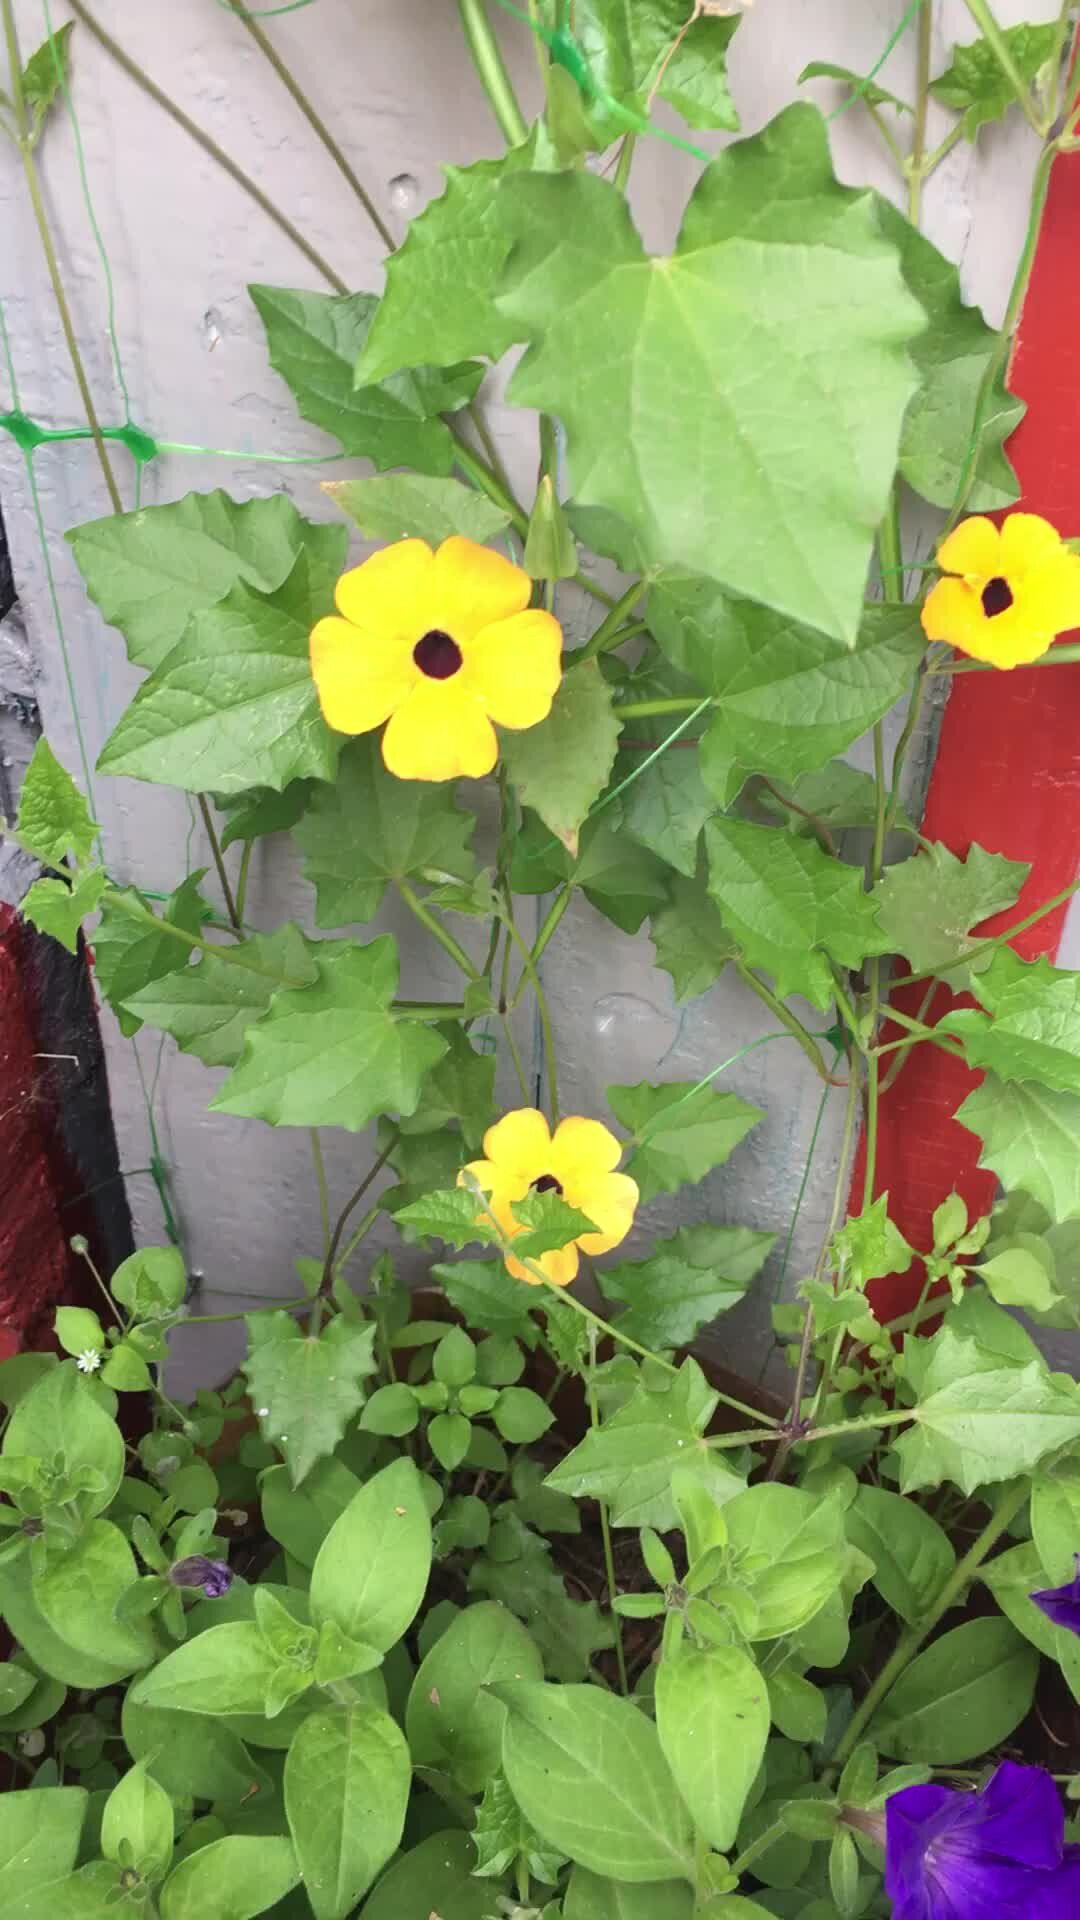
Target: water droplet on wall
<point x="403" y="193"/>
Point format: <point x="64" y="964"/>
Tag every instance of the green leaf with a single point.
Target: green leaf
<point x="866" y="90"/>
<point x="835" y="797"/>
<point x="137" y="1824"/>
<point x="928" y="905"/>
<point x="79" y="1330"/>
<point x="347" y="1779"/>
<point x="452" y="1217"/>
<point x="150" y="1282"/>
<point x="607" y="324"/>
<point x="127" y="1372"/>
<point x="62" y="1415"/>
<point x="391" y="1410"/>
<point x="425" y="1163"/>
<point x="985" y="1426"/>
<point x="550" y="548"/>
<point x="787" y="1546"/>
<point x="799" y="1709"/>
<point x="46" y="75"/>
<point x="300" y="1518"/>
<point x="16" y="1686"/>
<point x="226" y="1670"/>
<point x="314" y="340"/>
<point x="695" y="80"/>
<point x="1030" y="1139"/>
<point x="234" y="704"/>
<point x="521" y="1416"/>
<point x="517" y="1570"/>
<point x="461" y="1087"/>
<point x="912" y="1556"/>
<point x="129" y="952"/>
<point x="687" y="1281"/>
<point x="791" y="906"/>
<point x="591" y="1896"/>
<point x="622" y="881"/>
<point x="1022" y="1276"/>
<point x="975" y="84"/>
<point x="712" y="1715"/>
<point x="39" y="1839"/>
<point x="629" y="1460"/>
<point x="953" y="357"/>
<point x="334" y="1054"/>
<point x="91" y="1893"/>
<point x="961" y="1697"/>
<point x="398" y="506"/>
<point x="77" y="1597"/>
<point x="869" y="1246"/>
<point x="372" y="1569"/>
<point x="551" y="1223"/>
<point x="691" y="941"/>
<point x="260" y="812"/>
<point x="434" y="1877"/>
<point x="233" y="1879"/>
<point x="504" y="1838"/>
<point x="150" y="571"/>
<point x="449" y="1435"/>
<point x="452" y="1721"/>
<point x="305" y="1390"/>
<point x="370" y="829"/>
<point x="1055" y="1520"/>
<point x="785" y="698"/>
<point x="59" y="909"/>
<point x="191" y="1754"/>
<point x="208" y="1006"/>
<point x="1031" y="1027"/>
<point x="438" y="300"/>
<point x="681" y="1132"/>
<point x="561" y="767"/>
<point x="488" y="1298"/>
<point x="634" y="50"/>
<point x="588" y="1773"/>
<point x="53" y="818"/>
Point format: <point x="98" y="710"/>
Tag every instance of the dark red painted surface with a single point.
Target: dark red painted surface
<point x="1007" y="771"/>
<point x="35" y="1260"/>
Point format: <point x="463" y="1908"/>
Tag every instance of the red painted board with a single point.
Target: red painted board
<point x="1007" y="771"/>
<point x="35" y="1260"/>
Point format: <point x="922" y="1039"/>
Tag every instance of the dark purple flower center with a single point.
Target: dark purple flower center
<point x="997" y="596"/>
<point x="547" y="1183"/>
<point x="213" y="1576"/>
<point x="437" y="655"/>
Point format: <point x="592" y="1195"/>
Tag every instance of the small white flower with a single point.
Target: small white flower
<point x="31" y="1743"/>
<point x="89" y="1360"/>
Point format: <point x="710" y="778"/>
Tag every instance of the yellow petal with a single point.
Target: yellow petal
<point x="473" y="587"/>
<point x="1010" y="640"/>
<point x="612" y="1202"/>
<point x="973" y="547"/>
<point x="582" y="1149"/>
<point x="561" y="1267"/>
<point x="501" y="1192"/>
<point x="360" y="679"/>
<point x="439" y="733"/>
<point x="1050" y="595"/>
<point x="391" y="593"/>
<point x="952" y="611"/>
<point x="1027" y="542"/>
<point x="515" y="667"/>
<point x="519" y="1145"/>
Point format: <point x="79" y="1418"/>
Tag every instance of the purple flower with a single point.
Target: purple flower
<point x="998" y="1854"/>
<point x="213" y="1576"/>
<point x="1062" y="1604"/>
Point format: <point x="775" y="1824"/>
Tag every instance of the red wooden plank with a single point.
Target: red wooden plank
<point x="1007" y="771"/>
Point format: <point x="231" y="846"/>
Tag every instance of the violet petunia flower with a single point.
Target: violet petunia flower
<point x="213" y="1576"/>
<point x="998" y="1854"/>
<point x="1062" y="1604"/>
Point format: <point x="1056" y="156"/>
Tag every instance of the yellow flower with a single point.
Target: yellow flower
<point x="578" y="1161"/>
<point x="1013" y="589"/>
<point x="440" y="645"/>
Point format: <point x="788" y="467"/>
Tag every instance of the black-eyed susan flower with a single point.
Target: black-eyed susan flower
<point x="1008" y="592"/>
<point x="438" y="645"/>
<point x="577" y="1161"/>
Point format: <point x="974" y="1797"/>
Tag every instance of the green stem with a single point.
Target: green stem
<point x="759" y="1846"/>
<point x="607" y="633"/>
<point x="33" y="183"/>
<point x="271" y="1306"/>
<point x="888" y="137"/>
<point x="646" y="709"/>
<point x="902" y="1048"/>
<point x="787" y="1019"/>
<point x="912" y="1638"/>
<point x="1058" y="656"/>
<point x="242" y="879"/>
<point x="983" y="17"/>
<point x="482" y="477"/>
<point x="320" y="1176"/>
<point x="232" y="956"/>
<point x="621" y="176"/>
<point x="489" y="64"/>
<point x="216" y="855"/>
<point x="438" y="932"/>
<point x="605" y="1524"/>
<point x="939" y="1039"/>
<point x="103" y="1290"/>
<point x="242" y="180"/>
<point x="349" y="1208"/>
<point x="358" y="1233"/>
<point x="933" y="160"/>
<point x="907" y="734"/>
<point x="533" y="977"/>
<point x="313" y="119"/>
<point x="916" y="167"/>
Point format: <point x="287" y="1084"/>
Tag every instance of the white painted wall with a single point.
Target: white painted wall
<point x="393" y="80"/>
